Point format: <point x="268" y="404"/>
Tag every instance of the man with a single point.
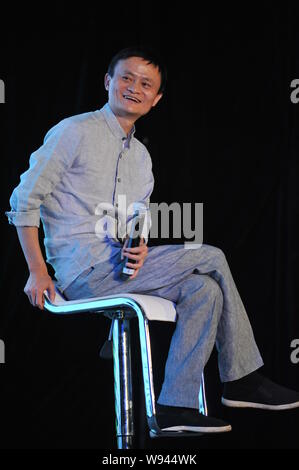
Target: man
<point x="85" y="164"/>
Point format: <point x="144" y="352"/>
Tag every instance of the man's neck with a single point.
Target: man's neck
<point x="126" y="123"/>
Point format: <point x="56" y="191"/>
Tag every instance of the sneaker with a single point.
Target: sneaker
<point x="266" y="396"/>
<point x="173" y="418"/>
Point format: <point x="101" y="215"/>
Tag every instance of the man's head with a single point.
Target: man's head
<point x="135" y="82"/>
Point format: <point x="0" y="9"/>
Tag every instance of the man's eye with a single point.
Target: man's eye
<point x="125" y="77"/>
<point x="146" y="84"/>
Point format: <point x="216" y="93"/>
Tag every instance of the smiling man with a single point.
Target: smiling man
<point x="134" y="87"/>
<point x="91" y="159"/>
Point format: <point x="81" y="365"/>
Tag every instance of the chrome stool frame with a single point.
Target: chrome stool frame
<point x="121" y="309"/>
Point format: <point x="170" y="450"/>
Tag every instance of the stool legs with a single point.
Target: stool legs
<point x="148" y="381"/>
<point x="123" y="383"/>
<point x="203" y="407"/>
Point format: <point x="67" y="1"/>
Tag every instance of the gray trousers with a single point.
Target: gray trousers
<point x="209" y="311"/>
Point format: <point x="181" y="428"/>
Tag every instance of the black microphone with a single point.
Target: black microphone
<point x="133" y="241"/>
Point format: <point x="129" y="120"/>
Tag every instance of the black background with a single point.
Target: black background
<point x="225" y="134"/>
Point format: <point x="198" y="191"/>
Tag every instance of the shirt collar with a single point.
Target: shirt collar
<point x="114" y="125"/>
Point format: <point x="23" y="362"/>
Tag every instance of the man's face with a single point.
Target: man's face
<point x="133" y="89"/>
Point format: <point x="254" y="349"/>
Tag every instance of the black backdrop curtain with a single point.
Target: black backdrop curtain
<point x="225" y="133"/>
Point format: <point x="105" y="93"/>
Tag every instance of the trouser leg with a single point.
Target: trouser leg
<point x="199" y="309"/>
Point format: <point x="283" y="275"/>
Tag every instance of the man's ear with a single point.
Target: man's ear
<point x="107" y="79"/>
<point x="157" y="99"/>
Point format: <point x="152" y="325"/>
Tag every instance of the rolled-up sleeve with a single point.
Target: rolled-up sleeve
<point x="47" y="166"/>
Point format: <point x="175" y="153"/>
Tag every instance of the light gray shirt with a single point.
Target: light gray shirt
<point x="82" y="183"/>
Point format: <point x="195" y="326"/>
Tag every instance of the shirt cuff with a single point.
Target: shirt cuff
<point x="24" y="219"/>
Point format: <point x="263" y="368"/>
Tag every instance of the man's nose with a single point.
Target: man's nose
<point x="134" y="87"/>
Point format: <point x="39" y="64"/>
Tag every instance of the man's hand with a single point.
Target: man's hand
<point x="38" y="282"/>
<point x="39" y="279"/>
<point x="139" y="254"/>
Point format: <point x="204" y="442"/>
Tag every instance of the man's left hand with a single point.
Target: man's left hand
<point x="139" y="253"/>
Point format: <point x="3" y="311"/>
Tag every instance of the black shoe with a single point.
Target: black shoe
<point x="266" y="395"/>
<point x="174" y="418"/>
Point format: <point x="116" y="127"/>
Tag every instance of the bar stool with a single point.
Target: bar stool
<point x="121" y="308"/>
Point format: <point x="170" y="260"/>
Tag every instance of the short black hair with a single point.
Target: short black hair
<point x="146" y="53"/>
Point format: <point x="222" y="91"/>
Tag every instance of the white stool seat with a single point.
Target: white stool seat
<point x="154" y="308"/>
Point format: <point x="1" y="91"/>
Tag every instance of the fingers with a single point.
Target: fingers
<point x="135" y="265"/>
<point x="137" y="249"/>
<point x="35" y="293"/>
<point x="131" y="256"/>
<point x="39" y="299"/>
<point x="135" y="274"/>
<point x="138" y="258"/>
<point x="51" y="292"/>
<point x="138" y="263"/>
<point x="30" y="297"/>
<point x="36" y="298"/>
<point x="138" y="254"/>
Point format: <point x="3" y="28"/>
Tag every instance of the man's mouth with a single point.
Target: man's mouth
<point x="132" y="98"/>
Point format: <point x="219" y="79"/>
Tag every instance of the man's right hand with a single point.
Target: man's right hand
<point x="38" y="282"/>
<point x="39" y="279"/>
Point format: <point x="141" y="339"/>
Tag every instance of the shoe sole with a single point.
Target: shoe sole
<point x="261" y="406"/>
<point x="201" y="429"/>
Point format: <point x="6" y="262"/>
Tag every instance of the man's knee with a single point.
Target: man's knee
<point x="212" y="288"/>
<point x="202" y="285"/>
<point x="217" y="253"/>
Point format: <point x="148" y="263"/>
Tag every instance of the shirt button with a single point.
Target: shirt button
<point x="104" y="212"/>
<point x="116" y="204"/>
<point x="119" y="180"/>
